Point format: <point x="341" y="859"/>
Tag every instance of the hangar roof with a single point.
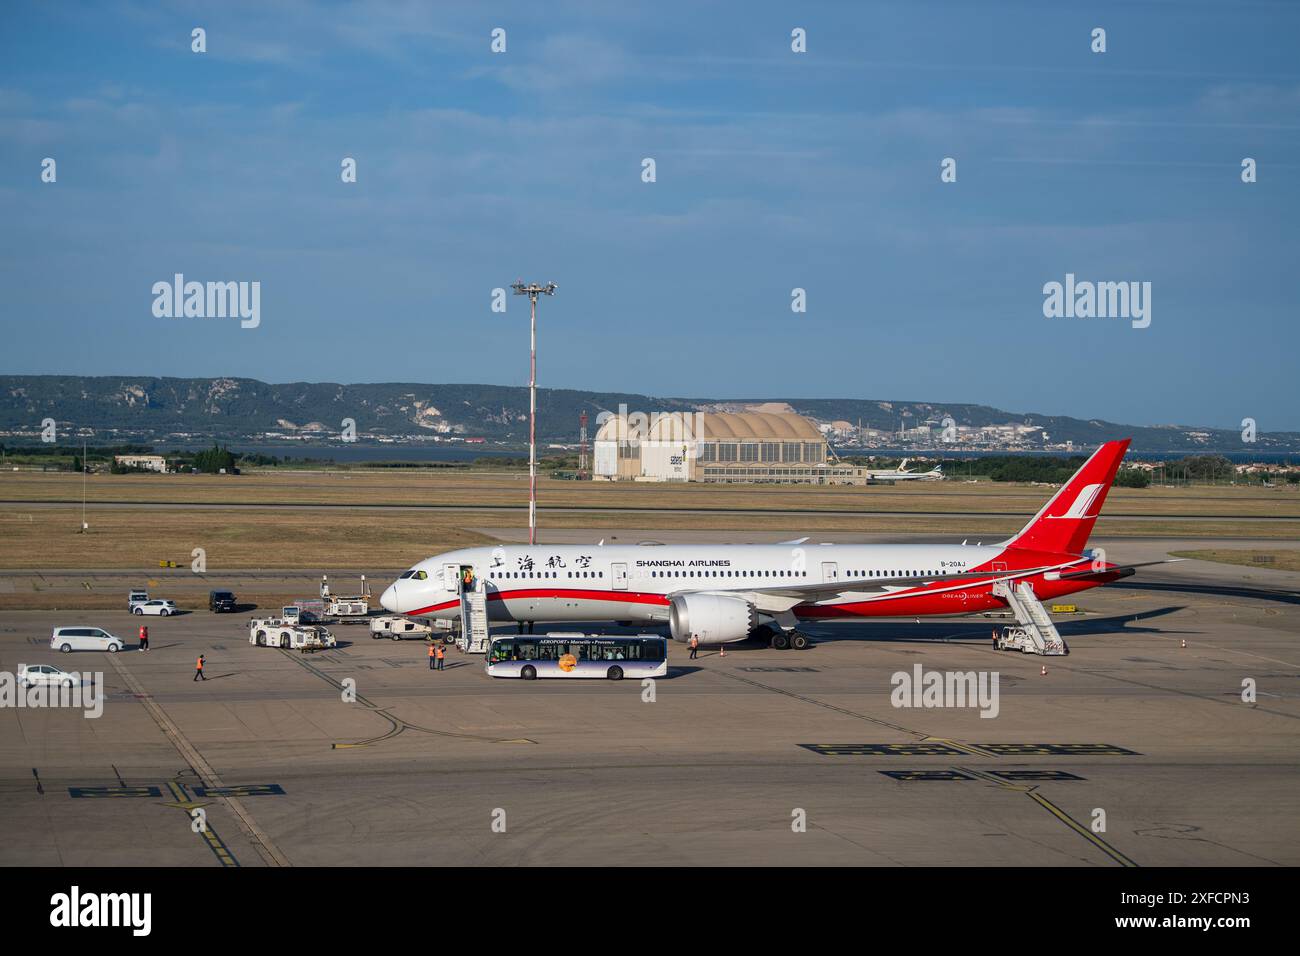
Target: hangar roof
<point x="715" y="426"/>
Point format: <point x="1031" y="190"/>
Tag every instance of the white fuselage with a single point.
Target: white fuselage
<point x="633" y="583"/>
<point x="727" y="588"/>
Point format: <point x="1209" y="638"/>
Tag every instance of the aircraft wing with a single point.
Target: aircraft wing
<point x="780" y="597"/>
<point x="1124" y="569"/>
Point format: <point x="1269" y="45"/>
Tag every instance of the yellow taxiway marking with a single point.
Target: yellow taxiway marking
<point x="214" y="842"/>
<point x="218" y="848"/>
<point x="1054" y="810"/>
<point x="183" y="801"/>
<point x="964" y="748"/>
<point x="1080" y="829"/>
<point x="1004" y="784"/>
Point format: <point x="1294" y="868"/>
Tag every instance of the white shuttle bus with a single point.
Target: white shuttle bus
<point x="578" y="655"/>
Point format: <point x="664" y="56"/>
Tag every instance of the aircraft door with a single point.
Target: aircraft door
<point x="619" y="574"/>
<point x="468" y="580"/>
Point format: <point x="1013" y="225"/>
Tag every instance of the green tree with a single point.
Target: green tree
<point x="214" y="459"/>
<point x="1132" y="478"/>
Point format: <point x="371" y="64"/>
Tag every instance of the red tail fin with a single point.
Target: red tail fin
<point x="1064" y="523"/>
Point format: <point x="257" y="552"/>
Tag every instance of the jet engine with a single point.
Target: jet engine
<point x="713" y="618"/>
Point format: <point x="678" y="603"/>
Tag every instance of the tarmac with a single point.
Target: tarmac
<point x="1133" y="751"/>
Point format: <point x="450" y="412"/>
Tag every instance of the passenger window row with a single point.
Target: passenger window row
<point x="895" y="574"/>
<point x="732" y="573"/>
<point x="514" y="575"/>
<point x="752" y="573"/>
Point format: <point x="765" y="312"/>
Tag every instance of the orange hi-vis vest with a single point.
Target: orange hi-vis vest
<point x="439" y="653"/>
<point x="430" y="650"/>
<point x="198" y="664"/>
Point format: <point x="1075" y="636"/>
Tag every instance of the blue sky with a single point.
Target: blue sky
<point x="775" y="170"/>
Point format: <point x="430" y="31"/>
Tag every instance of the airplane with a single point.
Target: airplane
<point x="902" y="474"/>
<point x="723" y="593"/>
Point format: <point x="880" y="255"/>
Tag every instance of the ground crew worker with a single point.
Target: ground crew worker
<point x="198" y="668"/>
<point x="144" y="637"/>
<point x="431" y="656"/>
<point x="722" y="651"/>
<point x="695" y="646"/>
<point x="441" y="654"/>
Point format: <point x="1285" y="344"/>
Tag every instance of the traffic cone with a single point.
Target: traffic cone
<point x="1043" y="672"/>
<point x="722" y="651"/>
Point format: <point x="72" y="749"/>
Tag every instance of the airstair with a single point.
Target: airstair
<point x="473" y="638"/>
<point x="1035" y="633"/>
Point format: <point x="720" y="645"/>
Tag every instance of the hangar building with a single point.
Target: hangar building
<point x="712" y="446"/>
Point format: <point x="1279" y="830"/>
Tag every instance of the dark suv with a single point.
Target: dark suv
<point x="219" y="601"/>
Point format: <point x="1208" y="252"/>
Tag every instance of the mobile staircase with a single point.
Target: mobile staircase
<point x="473" y="638"/>
<point x="1034" y="632"/>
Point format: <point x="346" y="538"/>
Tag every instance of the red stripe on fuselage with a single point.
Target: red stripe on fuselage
<point x="941" y="597"/>
<point x="581" y="594"/>
<point x="946" y="599"/>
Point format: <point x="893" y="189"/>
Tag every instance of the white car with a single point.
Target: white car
<point x="32" y="674"/>
<point x="158" y="606"/>
<point x="67" y="639"/>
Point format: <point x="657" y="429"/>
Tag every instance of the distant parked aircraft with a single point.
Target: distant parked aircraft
<point x="902" y="474"/>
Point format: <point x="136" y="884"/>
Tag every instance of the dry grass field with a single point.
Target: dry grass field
<point x="122" y="538"/>
<point x="35" y="534"/>
<point x="1275" y="559"/>
<point x="460" y="488"/>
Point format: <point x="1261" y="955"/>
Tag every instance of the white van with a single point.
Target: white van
<point x="398" y="627"/>
<point x="84" y="639"/>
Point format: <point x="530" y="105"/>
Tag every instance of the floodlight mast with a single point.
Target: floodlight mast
<point x="532" y="290"/>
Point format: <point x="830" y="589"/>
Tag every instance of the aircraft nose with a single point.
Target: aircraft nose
<point x="389" y="599"/>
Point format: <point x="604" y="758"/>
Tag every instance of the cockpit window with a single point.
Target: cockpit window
<point x="422" y="575"/>
<point x="406" y="574"/>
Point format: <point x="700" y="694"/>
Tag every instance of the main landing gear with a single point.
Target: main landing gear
<point x="780" y="639"/>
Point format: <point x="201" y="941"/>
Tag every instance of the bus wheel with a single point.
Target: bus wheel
<point x="261" y="638"/>
<point x="781" y="642"/>
<point x="615" y="673"/>
<point x="799" y="641"/>
<point x="529" y="673"/>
